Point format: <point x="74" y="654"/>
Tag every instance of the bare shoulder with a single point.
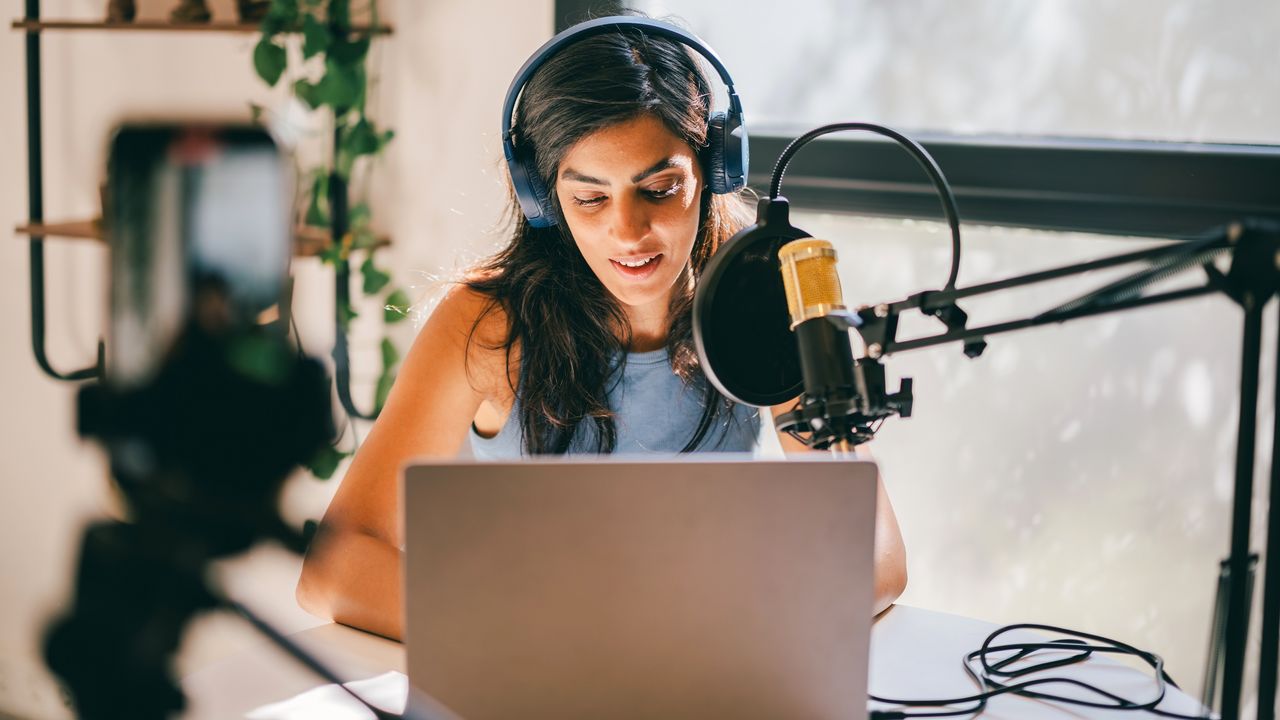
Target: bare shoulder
<point x="475" y="326"/>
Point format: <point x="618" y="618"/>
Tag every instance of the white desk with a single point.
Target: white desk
<point x="914" y="654"/>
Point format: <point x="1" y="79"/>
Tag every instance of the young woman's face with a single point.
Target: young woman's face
<point x="629" y="193"/>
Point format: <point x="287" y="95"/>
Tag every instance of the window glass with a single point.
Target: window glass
<point x="1183" y="70"/>
<point x="1077" y="474"/>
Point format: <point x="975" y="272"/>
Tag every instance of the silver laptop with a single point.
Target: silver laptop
<point x="632" y="588"/>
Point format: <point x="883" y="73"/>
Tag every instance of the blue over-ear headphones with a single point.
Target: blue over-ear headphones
<point x="726" y="153"/>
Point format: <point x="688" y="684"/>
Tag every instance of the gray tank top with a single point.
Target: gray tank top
<point x="654" y="413"/>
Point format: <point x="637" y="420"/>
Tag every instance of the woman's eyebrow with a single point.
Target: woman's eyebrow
<point x="663" y="164"/>
<point x="574" y="175"/>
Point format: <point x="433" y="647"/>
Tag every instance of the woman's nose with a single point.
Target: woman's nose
<point x="630" y="220"/>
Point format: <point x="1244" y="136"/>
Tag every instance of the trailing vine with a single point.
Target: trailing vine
<point x="333" y="78"/>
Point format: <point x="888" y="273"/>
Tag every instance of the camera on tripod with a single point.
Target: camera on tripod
<point x="204" y="409"/>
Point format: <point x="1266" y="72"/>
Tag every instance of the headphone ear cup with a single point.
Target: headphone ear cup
<point x="716" y="177"/>
<point x="531" y="192"/>
<point x="541" y="195"/>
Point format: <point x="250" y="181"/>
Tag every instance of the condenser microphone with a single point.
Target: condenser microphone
<point x="821" y="325"/>
<point x="756" y="350"/>
<point x="819" y="318"/>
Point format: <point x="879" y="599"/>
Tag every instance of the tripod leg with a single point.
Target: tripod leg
<point x="1217" y="632"/>
<point x="1235" y="639"/>
<point x="1267" y="666"/>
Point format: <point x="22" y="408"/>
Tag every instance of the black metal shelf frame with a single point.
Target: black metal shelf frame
<point x="35" y="212"/>
<point x="35" y="216"/>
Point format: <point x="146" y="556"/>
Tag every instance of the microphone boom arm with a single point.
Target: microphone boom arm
<point x="1251" y="281"/>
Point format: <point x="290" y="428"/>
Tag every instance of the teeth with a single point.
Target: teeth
<point x="637" y="263"/>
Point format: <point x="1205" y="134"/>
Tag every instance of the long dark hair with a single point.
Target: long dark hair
<point x="570" y="334"/>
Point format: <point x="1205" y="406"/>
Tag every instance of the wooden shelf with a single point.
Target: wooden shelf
<point x="36" y="26"/>
<point x="307" y="241"/>
<point x="80" y="229"/>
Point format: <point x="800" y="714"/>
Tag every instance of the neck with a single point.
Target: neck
<point x="648" y="326"/>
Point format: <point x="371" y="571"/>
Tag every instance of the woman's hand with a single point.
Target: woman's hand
<point x="890" y="552"/>
<point x="352" y="571"/>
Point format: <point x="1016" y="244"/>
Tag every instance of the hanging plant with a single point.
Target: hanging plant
<point x="333" y="78"/>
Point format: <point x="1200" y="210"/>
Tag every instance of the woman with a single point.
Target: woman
<point x="577" y="337"/>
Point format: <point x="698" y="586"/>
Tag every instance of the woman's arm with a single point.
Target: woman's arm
<point x="352" y="571"/>
<point x="891" y="554"/>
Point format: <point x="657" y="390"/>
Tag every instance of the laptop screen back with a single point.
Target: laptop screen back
<point x="629" y="588"/>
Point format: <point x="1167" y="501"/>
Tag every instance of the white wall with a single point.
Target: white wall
<point x="443" y="77"/>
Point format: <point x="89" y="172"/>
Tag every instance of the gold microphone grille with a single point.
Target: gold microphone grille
<point x="809" y="278"/>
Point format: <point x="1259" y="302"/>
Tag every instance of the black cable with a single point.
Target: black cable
<point x="349" y="425"/>
<point x="1081" y="649"/>
<point x="297" y="336"/>
<point x="918" y="152"/>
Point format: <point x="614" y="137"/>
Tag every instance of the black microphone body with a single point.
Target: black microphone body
<point x="826" y="362"/>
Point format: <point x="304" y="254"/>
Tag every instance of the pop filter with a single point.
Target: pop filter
<point x="741" y="326"/>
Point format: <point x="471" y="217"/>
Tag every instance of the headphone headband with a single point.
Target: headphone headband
<point x="600" y="26"/>
<point x="726" y="155"/>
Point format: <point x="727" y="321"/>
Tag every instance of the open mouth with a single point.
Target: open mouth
<point x="636" y="267"/>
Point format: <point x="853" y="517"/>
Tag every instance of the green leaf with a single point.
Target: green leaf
<point x="359" y="214"/>
<point x="361" y="139"/>
<point x="325" y="462"/>
<point x="390" y="355"/>
<point x="349" y="52"/>
<point x="340" y="87"/>
<point x="315" y="37"/>
<point x="255" y="112"/>
<point x="286" y="10"/>
<point x="363" y="239"/>
<point x="346" y="313"/>
<point x="340" y="13"/>
<point x="271" y="27"/>
<point x="318" y="209"/>
<point x="269" y="61"/>
<point x="282" y="16"/>
<point x="397" y="306"/>
<point x="385" y="381"/>
<point x="260" y="358"/>
<point x="385" y="138"/>
<point x="374" y="279"/>
<point x="309" y="93"/>
<point x="332" y="255"/>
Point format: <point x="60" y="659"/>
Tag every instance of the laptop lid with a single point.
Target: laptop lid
<point x="640" y="588"/>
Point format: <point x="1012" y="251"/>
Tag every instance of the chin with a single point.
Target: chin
<point x="640" y="299"/>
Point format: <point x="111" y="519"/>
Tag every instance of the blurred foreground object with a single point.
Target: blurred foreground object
<point x="203" y="412"/>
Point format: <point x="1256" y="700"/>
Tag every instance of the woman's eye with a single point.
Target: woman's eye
<point x="664" y="192"/>
<point x="654" y="193"/>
